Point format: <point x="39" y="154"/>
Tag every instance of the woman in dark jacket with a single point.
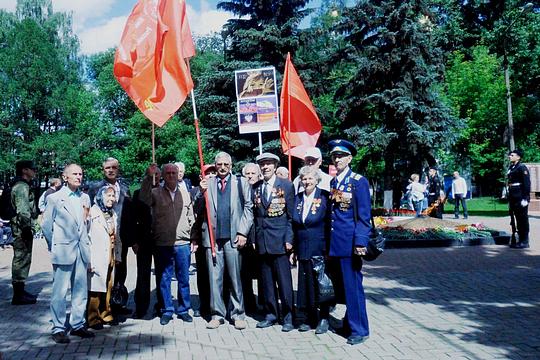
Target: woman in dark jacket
<point x="311" y="228"/>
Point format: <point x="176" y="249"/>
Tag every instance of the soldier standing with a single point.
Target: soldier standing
<point x="519" y="188"/>
<point x="23" y="224"/>
<point x="434" y="189"/>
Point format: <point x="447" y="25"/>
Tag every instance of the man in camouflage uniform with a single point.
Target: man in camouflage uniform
<point x="23" y="224"/>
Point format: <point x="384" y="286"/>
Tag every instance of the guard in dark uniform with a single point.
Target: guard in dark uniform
<point x="434" y="193"/>
<point x="519" y="188"/>
<point x="350" y="229"/>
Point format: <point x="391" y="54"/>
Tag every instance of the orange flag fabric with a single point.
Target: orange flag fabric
<point x="150" y="61"/>
<point x="300" y="125"/>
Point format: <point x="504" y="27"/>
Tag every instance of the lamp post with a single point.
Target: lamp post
<point x="506" y="67"/>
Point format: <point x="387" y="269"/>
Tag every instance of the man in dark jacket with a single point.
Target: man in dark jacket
<point x="273" y="200"/>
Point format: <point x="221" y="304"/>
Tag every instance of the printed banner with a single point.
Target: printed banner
<point x="257" y="103"/>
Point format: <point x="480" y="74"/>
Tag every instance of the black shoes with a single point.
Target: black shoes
<point x="265" y="323"/>
<point x="138" y="315"/>
<point x="304" y="327"/>
<point x="60" y="338"/>
<point x="185" y="317"/>
<point x="287" y="327"/>
<point x="122" y="310"/>
<point x="83" y="333"/>
<point x="21" y="296"/>
<point x="520" y="245"/>
<point x="356" y="339"/>
<point x="165" y="318"/>
<point x="322" y="327"/>
<point x="96" y="326"/>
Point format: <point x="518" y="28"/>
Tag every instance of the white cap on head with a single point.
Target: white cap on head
<point x="313" y="152"/>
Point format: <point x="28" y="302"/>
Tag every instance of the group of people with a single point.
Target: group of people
<point x="429" y="197"/>
<point x="239" y="227"/>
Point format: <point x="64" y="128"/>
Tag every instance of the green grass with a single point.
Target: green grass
<point x="482" y="206"/>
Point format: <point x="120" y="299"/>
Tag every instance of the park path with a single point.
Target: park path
<point x="480" y="302"/>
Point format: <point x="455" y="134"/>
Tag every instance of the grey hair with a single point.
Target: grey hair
<point x="111" y="159"/>
<point x="248" y="165"/>
<point x="180" y="165"/>
<point x="223" y="154"/>
<point x="309" y="170"/>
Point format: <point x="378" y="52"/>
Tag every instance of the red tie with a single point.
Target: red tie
<point x="223" y="184"/>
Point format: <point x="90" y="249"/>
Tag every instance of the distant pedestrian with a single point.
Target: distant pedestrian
<point x="459" y="192"/>
<point x="434" y="193"/>
<point x="6" y="236"/>
<point x="416" y="193"/>
<point x="519" y="188"/>
<point x="54" y="185"/>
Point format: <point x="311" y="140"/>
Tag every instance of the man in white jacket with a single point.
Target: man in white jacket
<point x="459" y="191"/>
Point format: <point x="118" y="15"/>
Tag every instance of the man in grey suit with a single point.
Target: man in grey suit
<point x="65" y="227"/>
<point x="232" y="216"/>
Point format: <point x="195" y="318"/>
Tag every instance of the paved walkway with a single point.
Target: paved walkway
<point x="478" y="302"/>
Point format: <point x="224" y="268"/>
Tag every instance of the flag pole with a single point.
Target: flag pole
<point x="260" y="143"/>
<point x="153" y="151"/>
<point x="288" y="115"/>
<point x="201" y="163"/>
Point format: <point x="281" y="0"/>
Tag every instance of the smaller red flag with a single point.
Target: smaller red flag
<point x="300" y="125"/>
<point x="150" y="60"/>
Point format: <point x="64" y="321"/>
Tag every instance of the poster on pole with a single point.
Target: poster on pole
<point x="256" y="99"/>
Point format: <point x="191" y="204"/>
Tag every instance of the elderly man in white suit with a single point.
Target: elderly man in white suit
<point x="65" y="227"/>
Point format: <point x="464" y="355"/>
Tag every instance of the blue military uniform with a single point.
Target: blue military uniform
<point x="350" y="227"/>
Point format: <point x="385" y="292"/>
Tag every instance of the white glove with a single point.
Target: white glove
<point x="524" y="203"/>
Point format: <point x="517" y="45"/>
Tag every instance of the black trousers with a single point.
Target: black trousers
<point x="276" y="270"/>
<point x="144" y="273"/>
<point x="120" y="270"/>
<point x="519" y="219"/>
<point x="203" y="281"/>
<point x="306" y="298"/>
<point x="250" y="270"/>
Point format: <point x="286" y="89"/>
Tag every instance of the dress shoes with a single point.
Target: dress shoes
<point x="165" y="319"/>
<point x="83" y="333"/>
<point x="240" y="324"/>
<point x="60" y="338"/>
<point x="214" y="323"/>
<point x="138" y="315"/>
<point x="522" y="245"/>
<point x="96" y="326"/>
<point x="356" y="339"/>
<point x="185" y="317"/>
<point x="304" y="327"/>
<point x="265" y="323"/>
<point x="322" y="327"/>
<point x="287" y="327"/>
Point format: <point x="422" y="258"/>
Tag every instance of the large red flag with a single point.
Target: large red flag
<point x="150" y="60"/>
<point x="300" y="125"/>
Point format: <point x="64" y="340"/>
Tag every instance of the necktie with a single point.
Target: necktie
<point x="265" y="191"/>
<point x="223" y="184"/>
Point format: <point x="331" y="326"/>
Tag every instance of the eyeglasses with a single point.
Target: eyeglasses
<point x="223" y="164"/>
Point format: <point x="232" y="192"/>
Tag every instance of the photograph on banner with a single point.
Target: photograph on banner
<point x="257" y="100"/>
<point x="255" y="82"/>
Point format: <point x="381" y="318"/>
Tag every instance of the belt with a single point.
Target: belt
<point x="514" y="184"/>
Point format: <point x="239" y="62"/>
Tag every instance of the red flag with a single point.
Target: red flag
<point x="300" y="125"/>
<point x="150" y="60"/>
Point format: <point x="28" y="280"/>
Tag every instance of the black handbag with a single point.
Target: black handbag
<point x="119" y="296"/>
<point x="324" y="289"/>
<point x="375" y="246"/>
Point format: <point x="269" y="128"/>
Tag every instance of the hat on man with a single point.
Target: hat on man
<point x="433" y="167"/>
<point x="24" y="164"/>
<point x="518" y="152"/>
<point x="267" y="156"/>
<point x="209" y="167"/>
<point x="342" y="146"/>
<point x="313" y="152"/>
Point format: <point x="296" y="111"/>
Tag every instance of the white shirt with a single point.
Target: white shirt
<point x="341" y="176"/>
<point x="269" y="186"/>
<point x="308" y="201"/>
<point x="459" y="186"/>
